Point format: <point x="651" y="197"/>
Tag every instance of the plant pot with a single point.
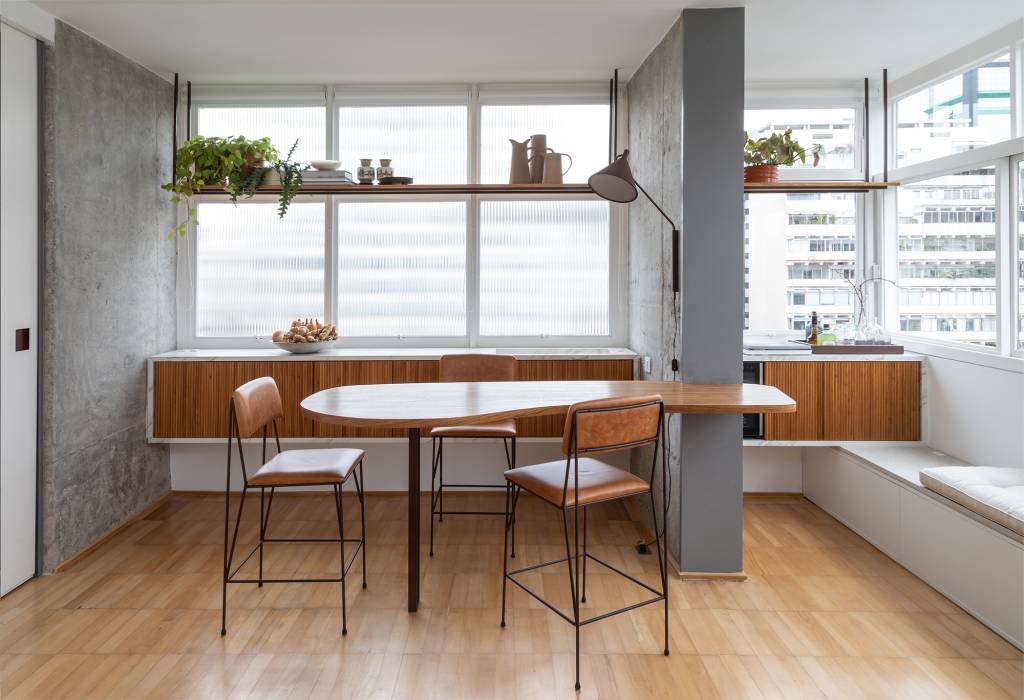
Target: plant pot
<point x="761" y="173"/>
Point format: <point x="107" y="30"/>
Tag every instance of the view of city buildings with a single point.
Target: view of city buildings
<point x="801" y="248"/>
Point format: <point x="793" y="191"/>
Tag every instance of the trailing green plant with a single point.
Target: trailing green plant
<point x="291" y="179"/>
<point x="234" y="163"/>
<point x="778" y="149"/>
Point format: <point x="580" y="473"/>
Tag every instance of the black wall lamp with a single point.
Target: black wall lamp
<point x="615" y="183"/>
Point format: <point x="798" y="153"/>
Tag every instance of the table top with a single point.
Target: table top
<point x="433" y="404"/>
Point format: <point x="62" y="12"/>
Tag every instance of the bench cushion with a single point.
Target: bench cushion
<point x="996" y="493"/>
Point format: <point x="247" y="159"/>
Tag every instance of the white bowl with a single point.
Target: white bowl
<point x="326" y="164"/>
<point x="306" y="348"/>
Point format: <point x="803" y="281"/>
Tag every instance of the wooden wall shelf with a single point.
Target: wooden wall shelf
<point x="816" y="186"/>
<point x="324" y="188"/>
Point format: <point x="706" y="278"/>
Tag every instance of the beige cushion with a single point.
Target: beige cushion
<point x="996" y="493"/>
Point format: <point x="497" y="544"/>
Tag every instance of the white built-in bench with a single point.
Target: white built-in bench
<point x="877" y="491"/>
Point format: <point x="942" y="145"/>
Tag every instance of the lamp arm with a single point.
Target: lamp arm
<point x="660" y="210"/>
<point x="675" y="239"/>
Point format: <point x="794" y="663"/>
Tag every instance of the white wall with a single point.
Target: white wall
<point x="19" y="305"/>
<point x="200" y="467"/>
<point x="769" y="469"/>
<point x="975" y="412"/>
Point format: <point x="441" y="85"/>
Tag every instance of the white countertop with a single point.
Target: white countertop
<point x="811" y="357"/>
<point x="228" y="354"/>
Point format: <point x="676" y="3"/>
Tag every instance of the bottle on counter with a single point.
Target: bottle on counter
<point x="811" y="332"/>
<point x="826" y="337"/>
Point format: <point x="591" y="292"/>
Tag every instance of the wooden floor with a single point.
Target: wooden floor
<point x="823" y="615"/>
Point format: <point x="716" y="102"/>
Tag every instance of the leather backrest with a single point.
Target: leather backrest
<point x="256" y="404"/>
<point x="477" y="368"/>
<point x="605" y="425"/>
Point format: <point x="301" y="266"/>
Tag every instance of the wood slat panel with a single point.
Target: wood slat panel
<point x="190" y="399"/>
<point x="327" y="375"/>
<point x="566" y="370"/>
<point x="872" y="401"/>
<point x="294" y="380"/>
<point x="801" y="381"/>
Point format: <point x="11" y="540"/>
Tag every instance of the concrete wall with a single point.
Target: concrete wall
<point x="109" y="289"/>
<point x="655" y="133"/>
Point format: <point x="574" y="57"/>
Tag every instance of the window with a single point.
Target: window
<point x="833" y="128"/>
<point x="957" y="114"/>
<point x="947" y="259"/>
<point x="284" y="126"/>
<point x="401" y="269"/>
<point x="256" y="272"/>
<point x="424" y="142"/>
<point x="800" y="257"/>
<point x="544" y="268"/>
<point x="580" y="130"/>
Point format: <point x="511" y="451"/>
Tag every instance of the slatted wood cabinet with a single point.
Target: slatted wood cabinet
<point x="871" y="400"/>
<point x="190" y="398"/>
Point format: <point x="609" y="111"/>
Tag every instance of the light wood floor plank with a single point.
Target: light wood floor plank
<point x="822" y="615"/>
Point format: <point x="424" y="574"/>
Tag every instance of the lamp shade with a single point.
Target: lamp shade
<point x="614" y="182"/>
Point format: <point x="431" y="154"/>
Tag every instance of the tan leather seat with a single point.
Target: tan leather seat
<point x="307" y="467"/>
<point x="505" y="428"/>
<point x="598" y="481"/>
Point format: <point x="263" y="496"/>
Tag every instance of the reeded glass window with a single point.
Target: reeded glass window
<point x="947" y="258"/>
<point x="1019" y="176"/>
<point x="964" y="112"/>
<point x="425" y="142"/>
<point x="544" y="268"/>
<point x="580" y="130"/>
<point x="284" y="125"/>
<point x="401" y="269"/>
<point x="256" y="272"/>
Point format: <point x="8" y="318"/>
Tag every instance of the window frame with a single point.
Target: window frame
<point x="1001" y="154"/>
<point x="330" y="98"/>
<point x="814" y="96"/>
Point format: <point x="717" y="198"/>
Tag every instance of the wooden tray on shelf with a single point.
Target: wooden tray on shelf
<point x="861" y="349"/>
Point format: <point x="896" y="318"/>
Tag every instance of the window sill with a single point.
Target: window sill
<point x="950" y="351"/>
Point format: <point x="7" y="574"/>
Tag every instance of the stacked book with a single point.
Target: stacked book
<point x="343" y="177"/>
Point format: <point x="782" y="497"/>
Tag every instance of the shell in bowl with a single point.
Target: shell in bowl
<point x="306" y="348"/>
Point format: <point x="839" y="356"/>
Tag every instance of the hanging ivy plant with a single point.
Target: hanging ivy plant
<point x="291" y="179"/>
<point x="234" y="163"/>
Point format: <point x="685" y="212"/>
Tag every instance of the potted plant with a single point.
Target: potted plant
<point x="286" y="174"/>
<point x="762" y="157"/>
<point x="234" y="163"/>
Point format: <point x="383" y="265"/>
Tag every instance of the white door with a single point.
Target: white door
<point x="19" y="274"/>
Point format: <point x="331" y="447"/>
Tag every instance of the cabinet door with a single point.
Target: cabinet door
<point x="801" y="381"/>
<point x="190" y="399"/>
<point x="331" y="373"/>
<point x="872" y="400"/>
<point x="295" y="382"/>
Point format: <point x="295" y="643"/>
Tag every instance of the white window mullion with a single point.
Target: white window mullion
<point x="1005" y="320"/>
<point x="473" y="134"/>
<point x="331" y="260"/>
<point x="473" y="270"/>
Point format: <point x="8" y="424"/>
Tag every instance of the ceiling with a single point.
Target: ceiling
<point x="363" y="41"/>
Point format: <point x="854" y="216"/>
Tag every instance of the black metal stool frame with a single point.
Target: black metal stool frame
<point x="229" y="553"/>
<point x="437" y="496"/>
<point x="578" y="585"/>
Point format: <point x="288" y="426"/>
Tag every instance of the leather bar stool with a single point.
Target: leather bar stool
<point x="255" y="406"/>
<point x="469" y="368"/>
<point x="592" y="427"/>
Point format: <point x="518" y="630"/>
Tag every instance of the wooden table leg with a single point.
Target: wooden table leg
<point x="414" y="519"/>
